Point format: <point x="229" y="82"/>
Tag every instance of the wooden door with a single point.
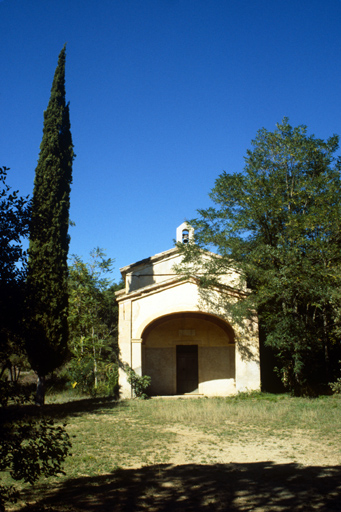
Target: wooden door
<point x="187" y="369"/>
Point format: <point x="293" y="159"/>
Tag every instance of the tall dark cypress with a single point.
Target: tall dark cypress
<point x="47" y="295"/>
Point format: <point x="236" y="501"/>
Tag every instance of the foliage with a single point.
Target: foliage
<point x="139" y="383"/>
<point x="14" y="393"/>
<point x="110" y="386"/>
<point x="29" y="447"/>
<point x="93" y="317"/>
<point x="47" y="294"/>
<point x="14" y="222"/>
<point x="336" y="386"/>
<point x="278" y="225"/>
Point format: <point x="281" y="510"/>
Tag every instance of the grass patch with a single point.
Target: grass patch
<point x="108" y="437"/>
<point x="262" y="411"/>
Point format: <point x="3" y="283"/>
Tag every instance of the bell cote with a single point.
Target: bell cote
<point x="184" y="233"/>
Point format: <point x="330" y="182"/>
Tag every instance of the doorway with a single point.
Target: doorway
<point x="186" y="369"/>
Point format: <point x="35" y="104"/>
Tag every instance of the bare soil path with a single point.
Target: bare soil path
<point x="154" y="463"/>
<point x="205" y="473"/>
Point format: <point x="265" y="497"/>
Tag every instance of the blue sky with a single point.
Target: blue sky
<point x="164" y="95"/>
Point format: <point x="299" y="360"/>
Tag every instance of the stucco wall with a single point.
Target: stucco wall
<point x="150" y="348"/>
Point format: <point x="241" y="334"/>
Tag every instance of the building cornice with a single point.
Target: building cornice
<point x="151" y="260"/>
<point x="170" y="283"/>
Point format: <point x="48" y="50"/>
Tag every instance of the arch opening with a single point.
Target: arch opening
<point x="189" y="352"/>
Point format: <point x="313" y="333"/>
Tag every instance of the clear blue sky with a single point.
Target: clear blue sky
<point x="164" y="95"/>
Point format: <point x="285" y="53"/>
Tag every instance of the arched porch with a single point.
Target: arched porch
<point x="189" y="352"/>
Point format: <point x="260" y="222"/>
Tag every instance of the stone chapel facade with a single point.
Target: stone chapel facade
<point x="166" y="332"/>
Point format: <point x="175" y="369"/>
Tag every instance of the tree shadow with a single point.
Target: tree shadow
<point x="81" y="406"/>
<point x="259" y="486"/>
<point x="60" y="411"/>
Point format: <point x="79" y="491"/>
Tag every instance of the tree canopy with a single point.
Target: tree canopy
<point x="29" y="447"/>
<point x="14" y="223"/>
<point x="93" y="319"/>
<point x="278" y="224"/>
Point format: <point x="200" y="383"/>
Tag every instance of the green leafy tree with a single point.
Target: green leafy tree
<point x="278" y="224"/>
<point x="47" y="297"/>
<point x="14" y="224"/>
<point x="29" y="448"/>
<point x="93" y="317"/>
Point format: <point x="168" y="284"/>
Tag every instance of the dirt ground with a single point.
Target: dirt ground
<point x="205" y="473"/>
<point x="298" y="447"/>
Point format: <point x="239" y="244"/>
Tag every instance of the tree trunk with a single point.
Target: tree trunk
<point x="326" y="349"/>
<point x="95" y="360"/>
<point x="14" y="373"/>
<point x="40" y="393"/>
<point x="95" y="373"/>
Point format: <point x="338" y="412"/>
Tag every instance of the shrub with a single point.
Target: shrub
<point x="138" y="383"/>
<point x="336" y="386"/>
<point x="29" y="447"/>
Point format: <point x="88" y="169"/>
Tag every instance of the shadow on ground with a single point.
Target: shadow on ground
<point x="259" y="486"/>
<point x="61" y="411"/>
<point x="81" y="406"/>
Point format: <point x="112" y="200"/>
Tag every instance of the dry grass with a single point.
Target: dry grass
<point x="256" y="410"/>
<point x="122" y="438"/>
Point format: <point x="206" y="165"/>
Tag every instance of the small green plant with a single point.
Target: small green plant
<point x="138" y="383"/>
<point x="336" y="386"/>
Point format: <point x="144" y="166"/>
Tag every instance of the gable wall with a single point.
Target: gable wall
<point x="147" y="298"/>
<point x="151" y="272"/>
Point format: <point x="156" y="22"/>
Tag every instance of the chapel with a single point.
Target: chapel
<point x="184" y="343"/>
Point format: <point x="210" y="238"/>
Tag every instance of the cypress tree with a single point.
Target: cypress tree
<point x="47" y="294"/>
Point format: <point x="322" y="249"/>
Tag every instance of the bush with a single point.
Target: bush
<point x="14" y="392"/>
<point x="29" y="447"/>
<point x="80" y="375"/>
<point x="336" y="386"/>
<point x="138" y="383"/>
